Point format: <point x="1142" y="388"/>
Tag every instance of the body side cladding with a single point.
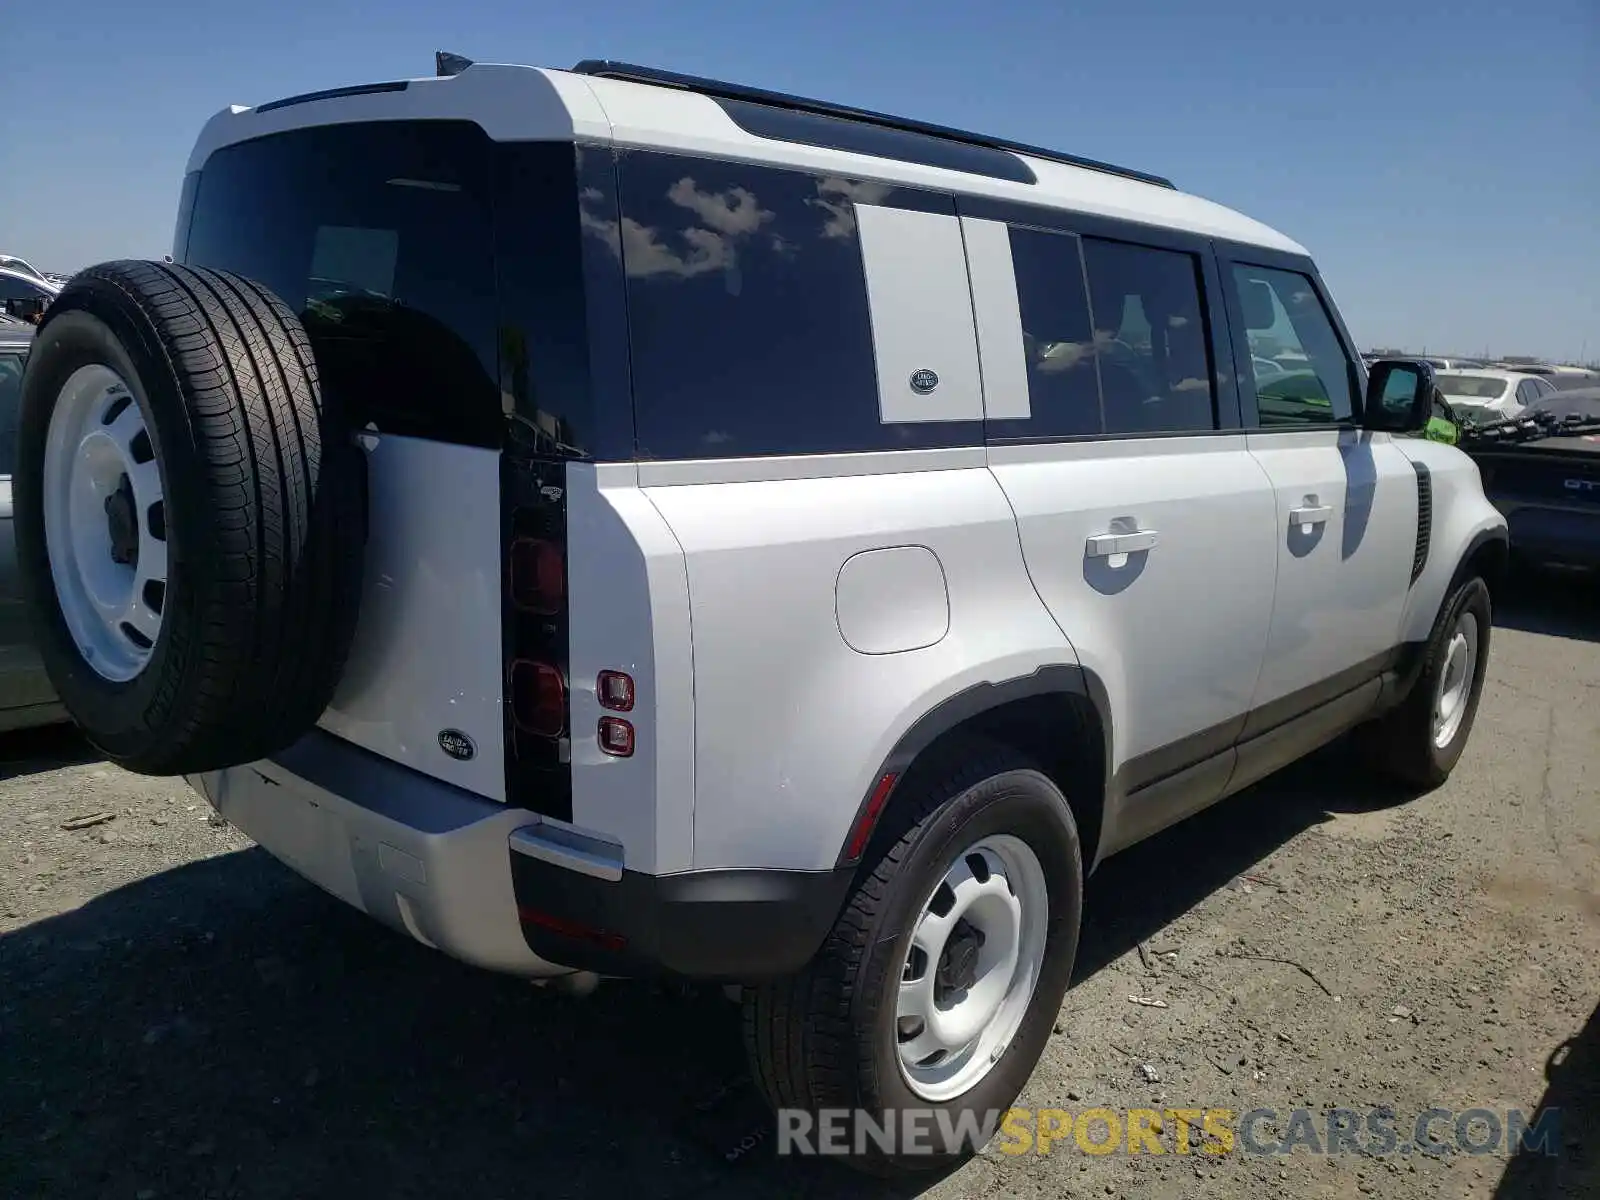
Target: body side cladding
<point x="1159" y="789"/>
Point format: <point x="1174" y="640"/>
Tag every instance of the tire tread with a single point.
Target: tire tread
<point x="271" y="569"/>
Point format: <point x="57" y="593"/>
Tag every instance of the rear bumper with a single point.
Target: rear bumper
<point x="504" y="889"/>
<point x="423" y="857"/>
<point x="723" y="925"/>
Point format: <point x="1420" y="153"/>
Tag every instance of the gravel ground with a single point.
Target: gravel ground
<point x="181" y="1017"/>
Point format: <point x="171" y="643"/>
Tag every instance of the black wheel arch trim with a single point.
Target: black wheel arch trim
<point x="1497" y="534"/>
<point x="1059" y="679"/>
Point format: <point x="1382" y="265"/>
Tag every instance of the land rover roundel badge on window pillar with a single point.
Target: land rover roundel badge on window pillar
<point x="924" y="381"/>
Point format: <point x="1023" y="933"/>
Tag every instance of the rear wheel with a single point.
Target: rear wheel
<point x="189" y="517"/>
<point x="934" y="995"/>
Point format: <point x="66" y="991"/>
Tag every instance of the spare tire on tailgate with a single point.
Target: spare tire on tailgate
<point x="190" y="517"/>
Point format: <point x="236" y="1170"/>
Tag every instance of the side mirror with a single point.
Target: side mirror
<point x="1399" y="396"/>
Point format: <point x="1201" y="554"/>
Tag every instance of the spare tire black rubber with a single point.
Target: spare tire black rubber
<point x="255" y="511"/>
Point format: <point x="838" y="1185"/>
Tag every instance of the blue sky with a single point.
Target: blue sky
<point x="1441" y="160"/>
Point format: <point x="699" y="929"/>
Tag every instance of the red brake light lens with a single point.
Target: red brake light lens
<point x="614" y="689"/>
<point x="538" y="698"/>
<point x="538" y="578"/>
<point x="616" y="737"/>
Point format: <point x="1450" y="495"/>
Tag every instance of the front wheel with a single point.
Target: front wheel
<point x="1419" y="743"/>
<point x="929" y="1004"/>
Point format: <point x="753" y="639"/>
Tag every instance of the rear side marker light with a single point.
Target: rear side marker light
<point x="616" y="737"/>
<point x="538" y="578"/>
<point x="538" y="698"/>
<point x="615" y="691"/>
<point x="869" y="817"/>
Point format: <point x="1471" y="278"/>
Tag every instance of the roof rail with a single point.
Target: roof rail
<point x="607" y="69"/>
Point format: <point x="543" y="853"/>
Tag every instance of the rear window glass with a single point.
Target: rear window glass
<point x="381" y="237"/>
<point x="1476" y="387"/>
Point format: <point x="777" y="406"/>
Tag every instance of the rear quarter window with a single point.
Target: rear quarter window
<point x="748" y="317"/>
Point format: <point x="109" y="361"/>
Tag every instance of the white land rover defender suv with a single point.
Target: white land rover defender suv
<point x="608" y="521"/>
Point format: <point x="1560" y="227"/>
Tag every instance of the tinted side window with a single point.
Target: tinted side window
<point x="1151" y="338"/>
<point x="563" y="330"/>
<point x="1302" y="375"/>
<point x="10" y="401"/>
<point x="747" y="312"/>
<point x="1063" y="390"/>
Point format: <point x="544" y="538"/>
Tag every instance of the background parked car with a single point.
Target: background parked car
<point x="23" y="294"/>
<point x="26" y="698"/>
<point x="1542" y="471"/>
<point x="1455" y="364"/>
<point x="10" y="262"/>
<point x="1581" y="404"/>
<point x="1491" y="395"/>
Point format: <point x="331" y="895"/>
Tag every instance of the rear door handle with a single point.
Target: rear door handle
<point x="1103" y="545"/>
<point x="1312" y="514"/>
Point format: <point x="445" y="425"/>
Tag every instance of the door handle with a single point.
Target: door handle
<point x="1311" y="514"/>
<point x="1103" y="545"/>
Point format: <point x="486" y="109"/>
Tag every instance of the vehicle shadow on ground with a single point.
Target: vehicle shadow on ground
<point x="30" y="751"/>
<point x="1572" y="1100"/>
<point x="1558" y="603"/>
<point x="1208" y="851"/>
<point x="226" y="1029"/>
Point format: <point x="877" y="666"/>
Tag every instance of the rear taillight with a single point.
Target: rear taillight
<point x="538" y="579"/>
<point x="614" y="689"/>
<point x="538" y="698"/>
<point x="534" y="611"/>
<point x="616" y="737"/>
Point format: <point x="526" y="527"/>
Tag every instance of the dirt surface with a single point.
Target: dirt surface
<point x="182" y="1017"/>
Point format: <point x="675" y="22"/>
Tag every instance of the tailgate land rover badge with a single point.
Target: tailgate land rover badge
<point x="456" y="744"/>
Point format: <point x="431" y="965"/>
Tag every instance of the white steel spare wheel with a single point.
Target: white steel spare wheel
<point x="189" y="517"/>
<point x="105" y="522"/>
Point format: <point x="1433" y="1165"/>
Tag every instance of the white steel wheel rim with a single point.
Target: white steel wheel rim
<point x="962" y="998"/>
<point x="105" y="522"/>
<point x="1455" y="680"/>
